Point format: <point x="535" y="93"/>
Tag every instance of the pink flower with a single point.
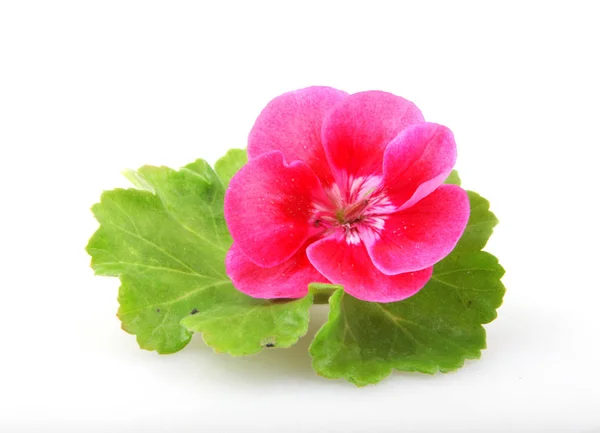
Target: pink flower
<point x="343" y="189"/>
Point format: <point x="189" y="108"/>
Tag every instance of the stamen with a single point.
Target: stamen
<point x="358" y="211"/>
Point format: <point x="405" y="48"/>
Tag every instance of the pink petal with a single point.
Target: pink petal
<point x="417" y="161"/>
<point x="423" y="234"/>
<point x="291" y="123"/>
<point x="289" y="279"/>
<point x="267" y="208"/>
<point x="356" y="132"/>
<point x="350" y="265"/>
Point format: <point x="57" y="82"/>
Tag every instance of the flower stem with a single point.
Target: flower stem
<point x="322" y="292"/>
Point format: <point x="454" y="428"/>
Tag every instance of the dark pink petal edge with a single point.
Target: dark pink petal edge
<point x="267" y="208"/>
<point x="417" y="161"/>
<point x="350" y="265"/>
<point x="289" y="279"/>
<point x="291" y="123"/>
<point x="356" y="132"/>
<point x="421" y="235"/>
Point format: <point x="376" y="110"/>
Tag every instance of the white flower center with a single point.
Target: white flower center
<point x="357" y="209"/>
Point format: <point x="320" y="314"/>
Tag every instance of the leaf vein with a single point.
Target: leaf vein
<point x="158" y="268"/>
<point x="153" y="244"/>
<point x="472" y="289"/>
<point x="180" y="298"/>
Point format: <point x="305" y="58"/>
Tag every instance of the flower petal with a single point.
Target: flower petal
<point x="423" y="234"/>
<point x="291" y="123"/>
<point x="350" y="265"/>
<point x="289" y="279"/>
<point x="356" y="132"/>
<point x="267" y="208"/>
<point x="417" y="161"/>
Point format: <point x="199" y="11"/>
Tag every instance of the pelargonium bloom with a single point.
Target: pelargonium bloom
<point x="343" y="189"/>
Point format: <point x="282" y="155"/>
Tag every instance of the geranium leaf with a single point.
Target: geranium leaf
<point x="244" y="325"/>
<point x="480" y="227"/>
<point x="167" y="243"/>
<point x="453" y="178"/>
<point x="229" y="165"/>
<point x="435" y="330"/>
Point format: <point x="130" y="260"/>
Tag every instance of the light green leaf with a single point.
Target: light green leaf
<point x="167" y="243"/>
<point x="229" y="165"/>
<point x="244" y="326"/>
<point x="453" y="178"/>
<point x="435" y="330"/>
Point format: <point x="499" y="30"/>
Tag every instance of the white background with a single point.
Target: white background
<point x="90" y="88"/>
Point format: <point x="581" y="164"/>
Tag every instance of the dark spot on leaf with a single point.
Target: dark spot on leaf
<point x="194" y="311"/>
<point x="158" y="310"/>
<point x="269" y="345"/>
<point x="469" y="303"/>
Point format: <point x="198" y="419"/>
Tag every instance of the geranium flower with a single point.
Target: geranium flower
<point x="343" y="189"/>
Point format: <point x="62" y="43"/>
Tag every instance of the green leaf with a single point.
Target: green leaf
<point x="453" y="178"/>
<point x="167" y="244"/>
<point x="480" y="227"/>
<point x="435" y="330"/>
<point x="243" y="326"/>
<point x="229" y="165"/>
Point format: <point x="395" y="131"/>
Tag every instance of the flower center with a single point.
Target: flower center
<point x="357" y="209"/>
